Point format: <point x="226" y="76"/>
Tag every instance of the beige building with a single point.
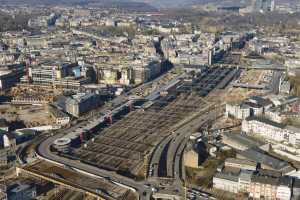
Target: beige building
<point x="191" y="158"/>
<point x="226" y="182"/>
<point x="263" y="187"/>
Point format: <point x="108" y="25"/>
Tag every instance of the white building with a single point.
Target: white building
<point x="294" y="137"/>
<point x="292" y="63"/>
<point x="9" y="141"/>
<point x="253" y="106"/>
<point x="237" y="111"/>
<point x="283" y="192"/>
<point x="266" y="128"/>
<point x="271" y="130"/>
<point x="284" y="87"/>
<point x="226" y="182"/>
<point x="284" y="189"/>
<point x="275" y="115"/>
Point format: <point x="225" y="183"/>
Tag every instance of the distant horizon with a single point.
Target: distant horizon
<point x="143" y="3"/>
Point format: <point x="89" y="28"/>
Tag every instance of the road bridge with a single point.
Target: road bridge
<point x="257" y="67"/>
<point x="61" y="182"/>
<point x="249" y="86"/>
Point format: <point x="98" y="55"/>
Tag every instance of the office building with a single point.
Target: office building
<point x="81" y="103"/>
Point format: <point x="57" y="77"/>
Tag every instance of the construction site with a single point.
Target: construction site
<point x="29" y="115"/>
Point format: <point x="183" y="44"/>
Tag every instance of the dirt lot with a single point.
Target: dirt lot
<point x="251" y="77"/>
<point x="30" y="115"/>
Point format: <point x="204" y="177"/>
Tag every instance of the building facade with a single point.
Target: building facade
<point x="271" y="130"/>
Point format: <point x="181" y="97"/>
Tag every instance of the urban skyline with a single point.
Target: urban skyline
<point x="149" y="100"/>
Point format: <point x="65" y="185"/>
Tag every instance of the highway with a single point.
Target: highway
<point x="174" y="133"/>
<point x="177" y="142"/>
<point x="276" y="81"/>
<point x="176" y="150"/>
<point x="258" y="67"/>
<point x="175" y="164"/>
<point x="249" y="86"/>
<point x="178" y="165"/>
<point x="156" y="155"/>
<point x="22" y="148"/>
<point x="174" y="145"/>
<point x="179" y="139"/>
<point x="194" y="123"/>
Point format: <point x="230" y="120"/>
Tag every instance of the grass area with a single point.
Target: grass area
<point x="177" y="70"/>
<point x="224" y="195"/>
<point x="295" y="83"/>
<point x="293" y="122"/>
<point x="203" y="175"/>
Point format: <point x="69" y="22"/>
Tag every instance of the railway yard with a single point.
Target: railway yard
<point x="132" y="149"/>
<point x="135" y="149"/>
<point x="126" y="144"/>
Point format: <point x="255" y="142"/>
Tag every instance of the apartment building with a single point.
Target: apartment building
<point x="59" y="116"/>
<point x="251" y="107"/>
<point x="237" y="111"/>
<point x="271" y="130"/>
<point x="226" y="182"/>
<point x="275" y="115"/>
<point x="284" y="191"/>
<point x="266" y="128"/>
<point x="261" y="184"/>
<point x="263" y="187"/>
<point x="24" y="191"/>
<point x="46" y="73"/>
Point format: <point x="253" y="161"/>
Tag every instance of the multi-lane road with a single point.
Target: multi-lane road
<point x="172" y="150"/>
<point x="170" y="144"/>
